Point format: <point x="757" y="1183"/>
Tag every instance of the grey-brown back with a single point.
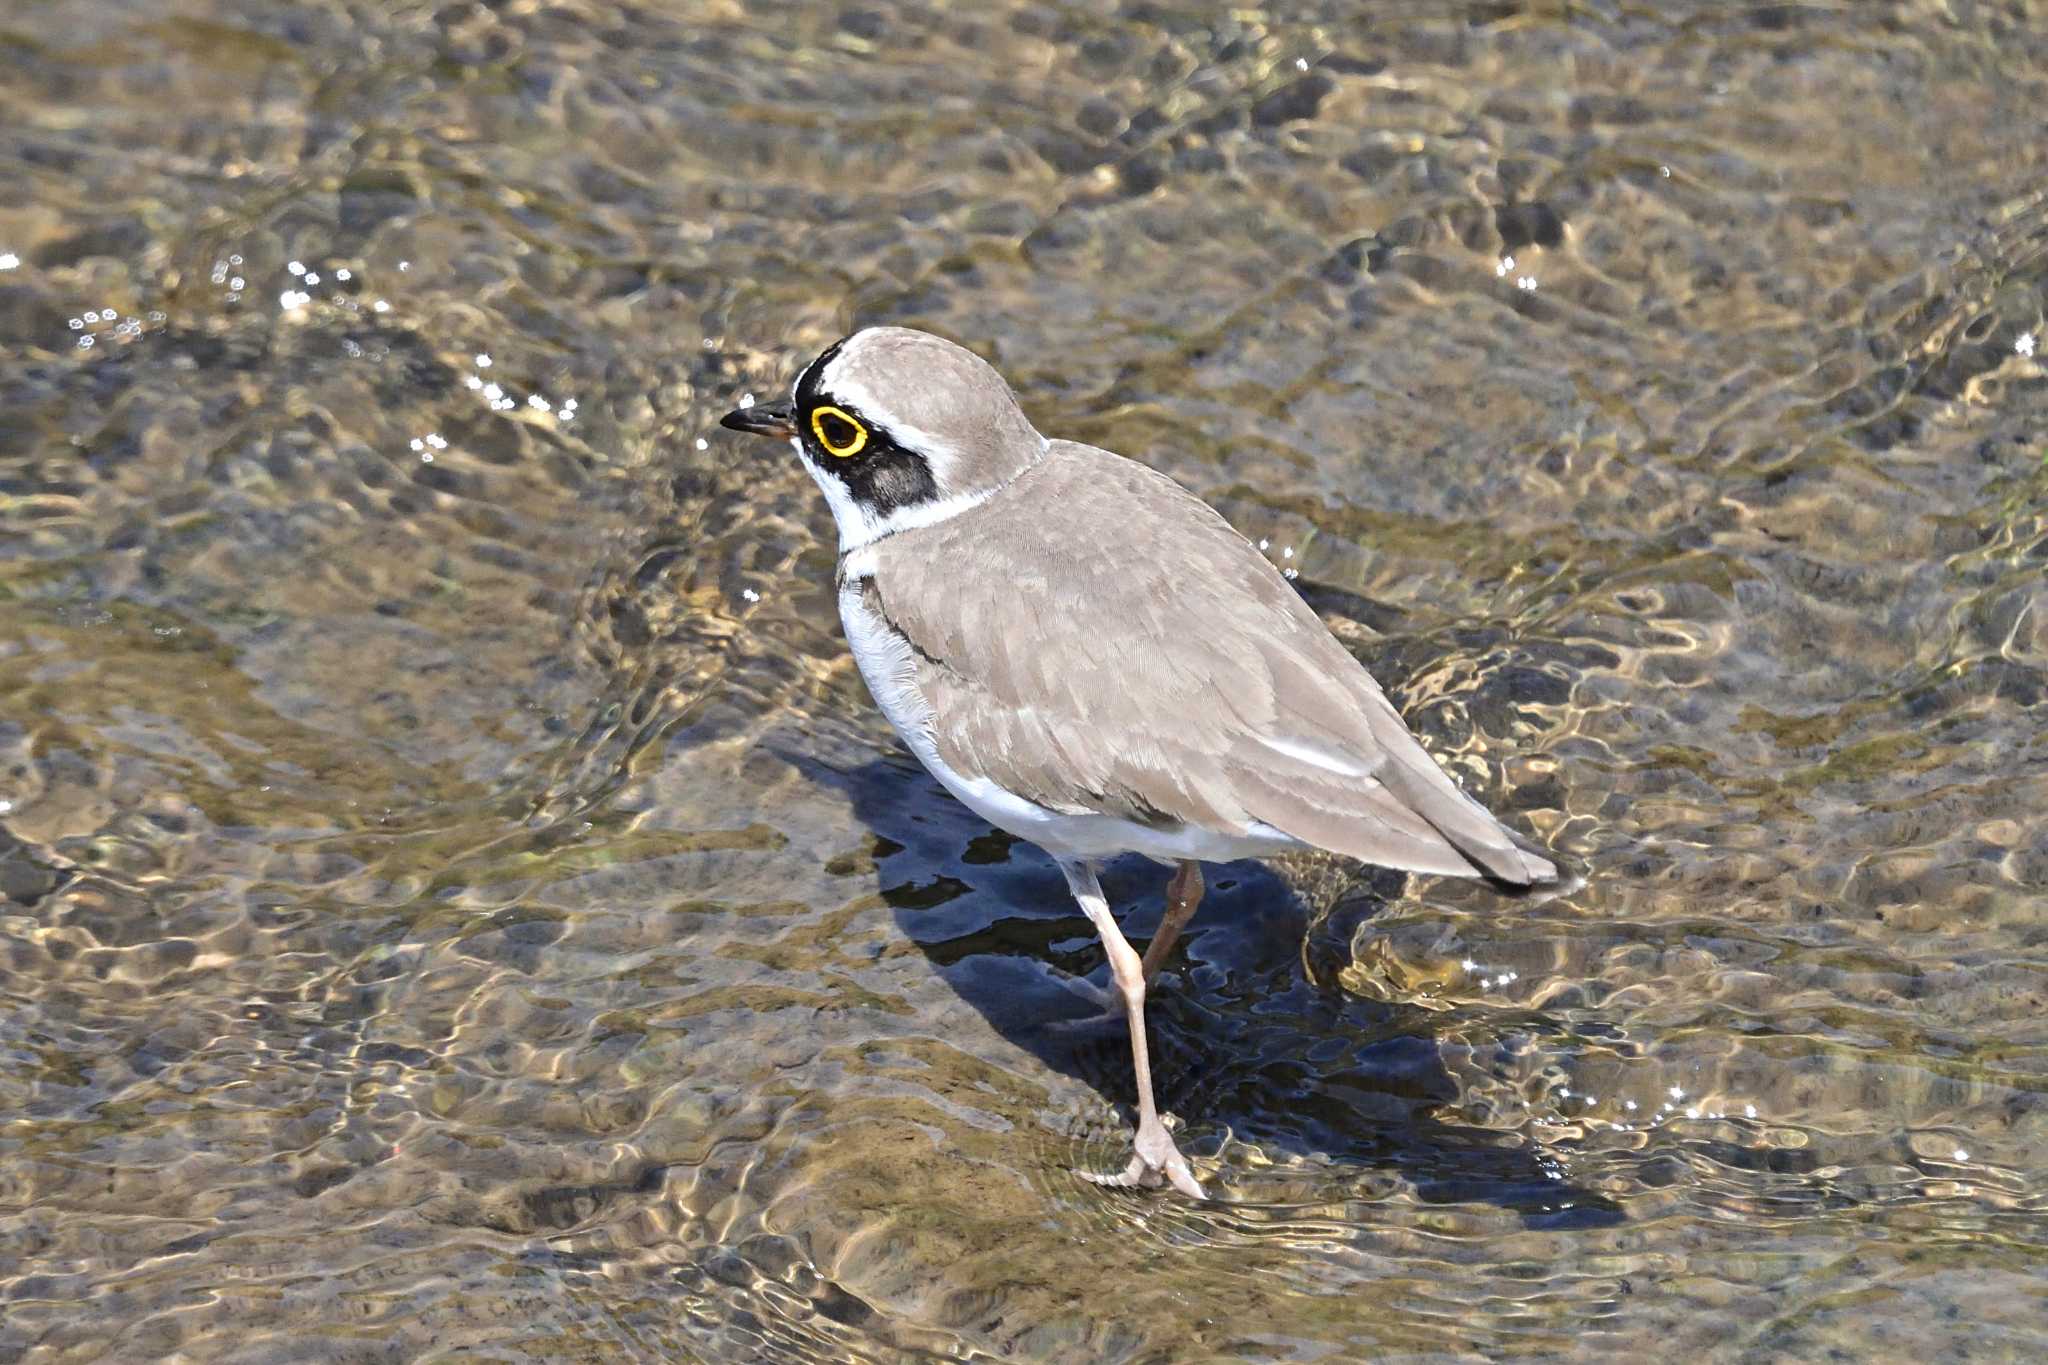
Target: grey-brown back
<point x="1098" y="640"/>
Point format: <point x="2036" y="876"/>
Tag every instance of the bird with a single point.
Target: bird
<point x="1092" y="659"/>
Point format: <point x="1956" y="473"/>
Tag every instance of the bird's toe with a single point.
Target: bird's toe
<point x="1154" y="1162"/>
<point x="1155" y="1150"/>
<point x="1135" y="1176"/>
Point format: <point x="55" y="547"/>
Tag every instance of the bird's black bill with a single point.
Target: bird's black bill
<point x="762" y="419"/>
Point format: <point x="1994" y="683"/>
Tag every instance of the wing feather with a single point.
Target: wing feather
<point x="1171" y="676"/>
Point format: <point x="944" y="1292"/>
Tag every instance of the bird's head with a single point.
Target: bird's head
<point x="900" y="428"/>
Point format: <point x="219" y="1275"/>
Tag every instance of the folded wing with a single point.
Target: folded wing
<point x="1168" y="677"/>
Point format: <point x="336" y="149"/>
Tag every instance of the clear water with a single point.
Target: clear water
<point x="459" y="899"/>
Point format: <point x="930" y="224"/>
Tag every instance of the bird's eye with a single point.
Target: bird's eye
<point x="838" y="432"/>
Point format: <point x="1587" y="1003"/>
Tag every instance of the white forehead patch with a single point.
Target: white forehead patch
<point x="805" y="373"/>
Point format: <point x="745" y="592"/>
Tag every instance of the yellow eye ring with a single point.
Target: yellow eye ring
<point x="842" y="422"/>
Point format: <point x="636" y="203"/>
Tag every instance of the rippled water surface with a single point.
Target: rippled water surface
<point x="458" y="897"/>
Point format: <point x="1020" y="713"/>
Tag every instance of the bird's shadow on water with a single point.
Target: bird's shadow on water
<point x="1242" y="1039"/>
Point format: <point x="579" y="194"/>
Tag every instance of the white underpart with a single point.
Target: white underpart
<point x="886" y="663"/>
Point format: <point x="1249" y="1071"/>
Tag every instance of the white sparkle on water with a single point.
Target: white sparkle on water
<point x="2025" y="345"/>
<point x="296" y="267"/>
<point x="750" y="594"/>
<point x="1749" y="1111"/>
<point x="703" y="444"/>
<point x="293" y="298"/>
<point x="1503" y="266"/>
<point x="1629" y="1105"/>
<point x="1962" y="1155"/>
<point x="380" y="307"/>
<point x="746" y="400"/>
<point x="1677" y="1092"/>
<point x="8" y="260"/>
<point x="483" y="361"/>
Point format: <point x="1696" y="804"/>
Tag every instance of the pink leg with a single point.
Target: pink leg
<point x="1183" y="894"/>
<point x="1155" y="1158"/>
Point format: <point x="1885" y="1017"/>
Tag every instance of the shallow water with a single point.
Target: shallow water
<point x="459" y="898"/>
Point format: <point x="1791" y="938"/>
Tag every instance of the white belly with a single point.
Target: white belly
<point x="886" y="664"/>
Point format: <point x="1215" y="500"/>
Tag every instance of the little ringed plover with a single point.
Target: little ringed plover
<point x="1092" y="659"/>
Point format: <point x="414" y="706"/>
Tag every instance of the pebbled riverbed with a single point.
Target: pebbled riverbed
<point x="460" y="901"/>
